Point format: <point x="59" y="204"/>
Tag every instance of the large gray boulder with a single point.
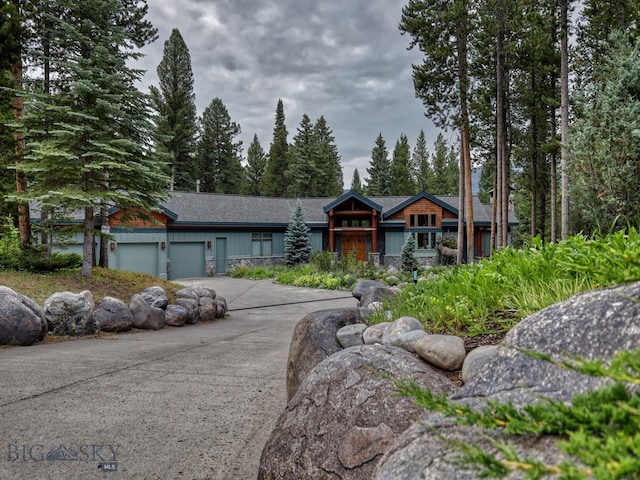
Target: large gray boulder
<point x="113" y="315"/>
<point x="596" y="324"/>
<point x="363" y="285"/>
<point x="22" y="321"/>
<point x="314" y="339"/>
<point x="145" y="316"/>
<point x="155" y="296"/>
<point x="70" y="314"/>
<point x="175" y="315"/>
<point x="376" y="295"/>
<point x="345" y="415"/>
<point x="191" y="304"/>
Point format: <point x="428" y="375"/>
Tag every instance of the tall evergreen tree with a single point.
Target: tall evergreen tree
<point x="605" y="145"/>
<point x="328" y="161"/>
<point x="275" y="180"/>
<point x="12" y="33"/>
<point x="379" y="182"/>
<point x="219" y="152"/>
<point x="303" y="174"/>
<point x="401" y="179"/>
<point x="255" y="168"/>
<point x="445" y="168"/>
<point x="440" y="29"/>
<point x="174" y="102"/>
<point x="97" y="152"/>
<point x="356" y="185"/>
<point x="422" y="169"/>
<point x="297" y="242"/>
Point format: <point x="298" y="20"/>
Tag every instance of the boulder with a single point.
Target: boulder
<point x="202" y="291"/>
<point x="351" y="335"/>
<point x="175" y="315"/>
<point x="70" y="314"/>
<point x="345" y="415"/>
<point x="221" y="303"/>
<point x="187" y="292"/>
<point x="155" y="297"/>
<point x="363" y="285"/>
<point x="145" y="316"/>
<point x="443" y="351"/>
<point x="22" y="321"/>
<point x="377" y="295"/>
<point x="89" y="296"/>
<point x="399" y="327"/>
<point x="314" y="339"/>
<point x="596" y="324"/>
<point x="192" y="309"/>
<point x="113" y="315"/>
<point x="374" y="333"/>
<point x="207" y="311"/>
<point x="476" y="359"/>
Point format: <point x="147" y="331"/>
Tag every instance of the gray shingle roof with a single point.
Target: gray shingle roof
<point x="209" y="208"/>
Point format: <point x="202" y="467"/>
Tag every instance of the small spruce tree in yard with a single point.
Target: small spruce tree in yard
<point x="408" y="261"/>
<point x="297" y="244"/>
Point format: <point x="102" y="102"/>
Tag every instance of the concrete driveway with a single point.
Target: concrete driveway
<point x="196" y="402"/>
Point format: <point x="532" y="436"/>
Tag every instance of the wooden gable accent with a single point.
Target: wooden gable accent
<point x="423" y="206"/>
<point x="156" y="220"/>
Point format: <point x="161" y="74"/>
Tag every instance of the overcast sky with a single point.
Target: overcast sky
<point x="344" y="59"/>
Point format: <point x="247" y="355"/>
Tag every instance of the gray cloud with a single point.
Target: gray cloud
<point x="344" y="60"/>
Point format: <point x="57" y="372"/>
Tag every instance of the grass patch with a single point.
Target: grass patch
<point x="104" y="282"/>
<point x="493" y="295"/>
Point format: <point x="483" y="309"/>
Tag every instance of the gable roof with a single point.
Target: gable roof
<point x="352" y="194"/>
<point x="417" y="197"/>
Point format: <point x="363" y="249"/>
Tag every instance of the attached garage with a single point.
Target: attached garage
<point x="187" y="259"/>
<point x="137" y="257"/>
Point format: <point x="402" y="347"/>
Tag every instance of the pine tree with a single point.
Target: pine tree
<point x="423" y="171"/>
<point x="408" y="260"/>
<point x="218" y="152"/>
<point x="255" y="168"/>
<point x="445" y="169"/>
<point x="303" y="175"/>
<point x="605" y="172"/>
<point x="12" y="35"/>
<point x="328" y="161"/>
<point x="297" y="242"/>
<point x="401" y="179"/>
<point x="174" y="102"/>
<point x="98" y="152"/>
<point x="356" y="185"/>
<point x="274" y="178"/>
<point x="378" y="184"/>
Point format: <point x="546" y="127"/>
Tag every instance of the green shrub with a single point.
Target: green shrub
<point x="599" y="432"/>
<point x="496" y="293"/>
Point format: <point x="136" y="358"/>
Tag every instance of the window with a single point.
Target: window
<point x="423" y="220"/>
<point x="261" y="244"/>
<point x="426" y="241"/>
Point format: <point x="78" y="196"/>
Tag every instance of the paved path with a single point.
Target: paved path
<point x="196" y="402"/>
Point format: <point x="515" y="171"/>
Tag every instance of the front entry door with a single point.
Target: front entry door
<point x="221" y="256"/>
<point x="354" y="241"/>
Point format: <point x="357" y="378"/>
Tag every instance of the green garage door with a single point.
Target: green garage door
<point x="187" y="259"/>
<point x="138" y="257"/>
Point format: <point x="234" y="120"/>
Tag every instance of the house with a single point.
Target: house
<point x="202" y="234"/>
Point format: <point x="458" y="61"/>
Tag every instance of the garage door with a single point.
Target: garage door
<point x="138" y="257"/>
<point x="187" y="260"/>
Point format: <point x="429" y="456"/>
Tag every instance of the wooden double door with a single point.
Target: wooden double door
<point x="355" y="241"/>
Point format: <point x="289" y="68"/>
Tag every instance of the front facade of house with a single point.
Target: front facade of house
<point x="202" y="234"/>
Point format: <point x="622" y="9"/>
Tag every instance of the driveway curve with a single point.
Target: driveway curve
<point x="196" y="402"/>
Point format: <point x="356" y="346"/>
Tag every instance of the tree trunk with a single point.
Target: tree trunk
<point x="24" y="217"/>
<point x="87" y="246"/>
<point x="554" y="183"/>
<point x="463" y="85"/>
<point x="564" y="117"/>
<point x="460" y="249"/>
